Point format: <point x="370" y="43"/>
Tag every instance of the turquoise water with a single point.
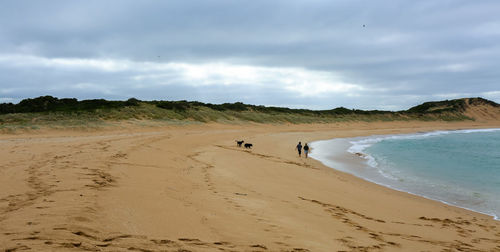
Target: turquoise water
<point x="461" y="168"/>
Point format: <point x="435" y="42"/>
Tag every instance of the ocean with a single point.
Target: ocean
<point x="460" y="168"/>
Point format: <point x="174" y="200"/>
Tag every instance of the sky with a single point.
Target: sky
<point x="385" y="54"/>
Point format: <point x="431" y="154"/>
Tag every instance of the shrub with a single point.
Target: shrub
<point x="132" y="102"/>
<point x="174" y="105"/>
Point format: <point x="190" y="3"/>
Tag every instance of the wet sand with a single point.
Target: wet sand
<point x="191" y="188"/>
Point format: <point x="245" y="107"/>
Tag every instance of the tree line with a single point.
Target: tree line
<point x="53" y="104"/>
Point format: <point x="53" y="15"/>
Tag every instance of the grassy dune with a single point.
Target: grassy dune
<point x="48" y="111"/>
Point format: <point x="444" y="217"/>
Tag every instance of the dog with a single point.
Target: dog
<point x="248" y="145"/>
<point x="239" y="142"/>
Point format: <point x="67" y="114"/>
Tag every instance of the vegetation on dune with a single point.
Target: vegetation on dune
<point x="49" y="103"/>
<point x="453" y="106"/>
<point x="69" y="112"/>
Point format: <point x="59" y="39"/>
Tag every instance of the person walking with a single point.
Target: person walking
<point x="306" y="149"/>
<point x="299" y="149"/>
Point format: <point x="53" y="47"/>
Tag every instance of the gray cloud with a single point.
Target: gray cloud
<point x="394" y="54"/>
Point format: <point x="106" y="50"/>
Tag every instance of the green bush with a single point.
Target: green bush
<point x="51" y="104"/>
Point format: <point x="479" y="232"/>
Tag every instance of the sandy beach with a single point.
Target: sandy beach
<point x="190" y="188"/>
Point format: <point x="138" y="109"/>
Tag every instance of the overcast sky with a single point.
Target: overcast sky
<point x="304" y="54"/>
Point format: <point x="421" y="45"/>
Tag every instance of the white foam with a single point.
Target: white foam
<point x="361" y="144"/>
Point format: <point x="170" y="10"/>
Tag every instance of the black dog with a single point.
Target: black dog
<point x="239" y="142"/>
<point x="248" y="145"/>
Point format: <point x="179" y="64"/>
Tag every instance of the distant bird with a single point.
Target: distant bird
<point x="363" y="25"/>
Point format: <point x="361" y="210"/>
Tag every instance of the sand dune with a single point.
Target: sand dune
<point x="191" y="188"/>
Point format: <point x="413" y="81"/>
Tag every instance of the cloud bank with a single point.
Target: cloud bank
<point x="307" y="54"/>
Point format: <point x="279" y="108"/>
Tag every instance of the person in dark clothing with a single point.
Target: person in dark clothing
<point x="306" y="149"/>
<point x="299" y="149"/>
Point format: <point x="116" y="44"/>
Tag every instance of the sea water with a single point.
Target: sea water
<point x="460" y="168"/>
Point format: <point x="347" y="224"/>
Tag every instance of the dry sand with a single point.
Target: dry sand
<point x="190" y="188"/>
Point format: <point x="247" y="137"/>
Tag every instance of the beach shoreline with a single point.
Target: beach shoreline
<point x="349" y="155"/>
<point x="192" y="188"/>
